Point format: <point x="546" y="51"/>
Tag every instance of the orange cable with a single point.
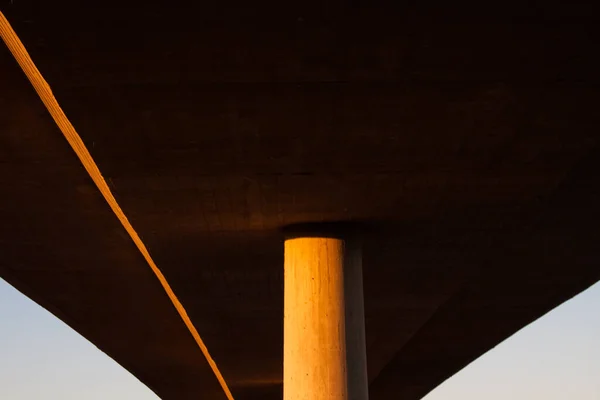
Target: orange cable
<point x="43" y="90"/>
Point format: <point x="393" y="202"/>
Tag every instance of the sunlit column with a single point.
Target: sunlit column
<point x="324" y="331"/>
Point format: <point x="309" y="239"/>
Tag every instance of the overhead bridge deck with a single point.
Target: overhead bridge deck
<point x="462" y="138"/>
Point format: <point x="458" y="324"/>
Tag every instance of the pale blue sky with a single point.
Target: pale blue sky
<point x="555" y="358"/>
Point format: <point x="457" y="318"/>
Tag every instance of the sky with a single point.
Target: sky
<point x="555" y="358"/>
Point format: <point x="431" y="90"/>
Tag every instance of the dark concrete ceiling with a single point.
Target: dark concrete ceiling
<point x="463" y="136"/>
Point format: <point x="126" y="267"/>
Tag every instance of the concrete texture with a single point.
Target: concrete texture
<point x="324" y="346"/>
<point x="464" y="136"/>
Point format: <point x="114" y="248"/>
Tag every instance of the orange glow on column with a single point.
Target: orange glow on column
<point x="324" y="341"/>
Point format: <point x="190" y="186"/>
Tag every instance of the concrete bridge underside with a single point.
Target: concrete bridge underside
<point x="464" y="137"/>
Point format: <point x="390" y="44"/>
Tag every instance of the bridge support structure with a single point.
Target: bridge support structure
<point x="324" y="325"/>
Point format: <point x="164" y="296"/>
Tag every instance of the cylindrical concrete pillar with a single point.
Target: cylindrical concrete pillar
<point x="324" y="331"/>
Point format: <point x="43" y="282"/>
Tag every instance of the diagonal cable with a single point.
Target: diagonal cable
<point x="43" y="90"/>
